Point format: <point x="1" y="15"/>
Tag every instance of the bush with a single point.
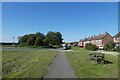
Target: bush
<point x="110" y="47"/>
<point x="91" y="47"/>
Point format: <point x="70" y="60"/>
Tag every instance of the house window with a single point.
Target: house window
<point x="97" y="40"/>
<point x="118" y="38"/>
<point x="115" y="38"/>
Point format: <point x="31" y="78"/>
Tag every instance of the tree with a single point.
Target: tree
<point x="53" y="38"/>
<point x="23" y="39"/>
<point x="58" y="38"/>
<point x="38" y="34"/>
<point x="31" y="39"/>
<point x="48" y="38"/>
<point x="39" y="39"/>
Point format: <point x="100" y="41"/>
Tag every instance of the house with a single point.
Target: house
<point x="98" y="40"/>
<point x="80" y="43"/>
<point x="87" y="40"/>
<point x="101" y="39"/>
<point x="116" y="39"/>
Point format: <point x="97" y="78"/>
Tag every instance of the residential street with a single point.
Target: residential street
<point x="61" y="67"/>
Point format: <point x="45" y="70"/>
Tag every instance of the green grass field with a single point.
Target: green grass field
<point x="26" y="64"/>
<point x="85" y="68"/>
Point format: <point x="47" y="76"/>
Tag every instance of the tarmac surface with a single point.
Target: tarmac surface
<point x="61" y="67"/>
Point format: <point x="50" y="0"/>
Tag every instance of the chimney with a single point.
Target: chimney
<point x="94" y="35"/>
<point x="105" y="32"/>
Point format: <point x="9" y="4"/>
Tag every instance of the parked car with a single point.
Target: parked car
<point x="65" y="48"/>
<point x="101" y="47"/>
<point x="69" y="46"/>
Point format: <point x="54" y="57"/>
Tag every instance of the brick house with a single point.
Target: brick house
<point x="116" y="39"/>
<point x="98" y="40"/>
<point x="80" y="43"/>
<point x="87" y="40"/>
<point x="101" y="39"/>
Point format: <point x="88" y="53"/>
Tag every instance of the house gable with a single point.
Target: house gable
<point x="116" y="38"/>
<point x="107" y="39"/>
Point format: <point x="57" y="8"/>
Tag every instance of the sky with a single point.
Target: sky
<point x="75" y="20"/>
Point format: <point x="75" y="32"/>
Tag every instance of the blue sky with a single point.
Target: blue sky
<point x="74" y="20"/>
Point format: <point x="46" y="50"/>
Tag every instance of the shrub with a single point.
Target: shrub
<point x="109" y="47"/>
<point x="90" y="46"/>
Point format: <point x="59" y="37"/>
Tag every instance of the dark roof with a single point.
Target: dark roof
<point x="90" y="38"/>
<point x="117" y="35"/>
<point x="97" y="37"/>
<point x="86" y="39"/>
<point x="80" y="40"/>
<point x="100" y="36"/>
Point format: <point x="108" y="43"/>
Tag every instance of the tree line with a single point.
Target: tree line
<point x="39" y="39"/>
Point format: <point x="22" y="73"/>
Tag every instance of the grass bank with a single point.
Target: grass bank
<point x="84" y="68"/>
<point x="26" y="64"/>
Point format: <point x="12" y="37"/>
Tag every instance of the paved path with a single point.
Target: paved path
<point x="61" y="67"/>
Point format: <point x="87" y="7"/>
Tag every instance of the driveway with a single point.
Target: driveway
<point x="61" y="67"/>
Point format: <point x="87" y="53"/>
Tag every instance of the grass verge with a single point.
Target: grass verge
<point x="85" y="68"/>
<point x="26" y="64"/>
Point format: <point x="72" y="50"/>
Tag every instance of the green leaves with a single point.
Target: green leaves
<point x="90" y="46"/>
<point x="109" y="46"/>
<point x="32" y="39"/>
<point x="39" y="39"/>
<point x="53" y="38"/>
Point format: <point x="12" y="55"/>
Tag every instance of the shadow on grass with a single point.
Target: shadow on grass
<point x="102" y="62"/>
<point x="107" y="62"/>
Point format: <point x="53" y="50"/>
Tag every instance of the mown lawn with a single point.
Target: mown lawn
<point x="85" y="68"/>
<point x="26" y="64"/>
